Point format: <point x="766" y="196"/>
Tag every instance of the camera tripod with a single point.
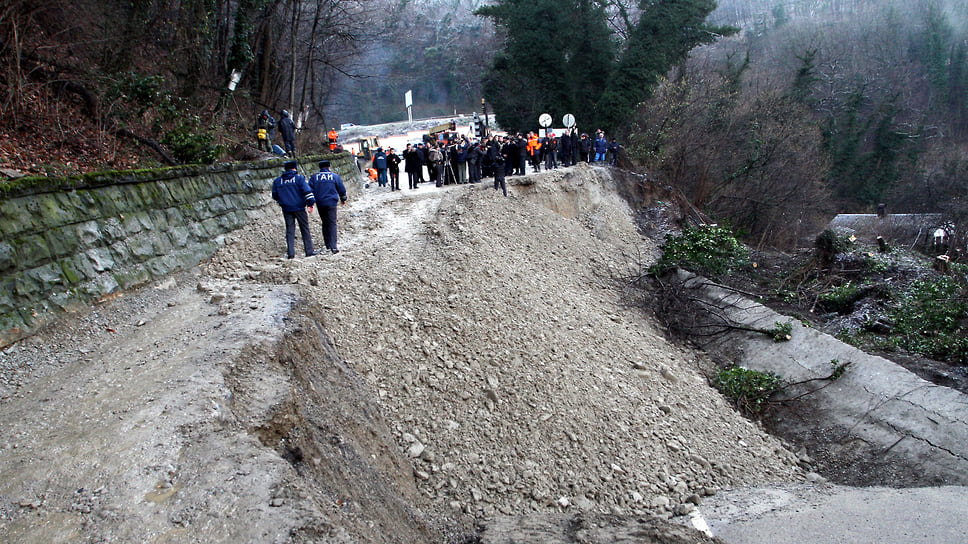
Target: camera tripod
<point x="449" y="171"/>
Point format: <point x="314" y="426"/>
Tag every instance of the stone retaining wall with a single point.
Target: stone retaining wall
<point x="65" y="243"/>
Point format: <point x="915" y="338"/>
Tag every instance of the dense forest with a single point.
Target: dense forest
<point x="769" y="114"/>
<point x="816" y="107"/>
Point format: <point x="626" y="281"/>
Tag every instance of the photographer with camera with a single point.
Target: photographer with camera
<point x="435" y="158"/>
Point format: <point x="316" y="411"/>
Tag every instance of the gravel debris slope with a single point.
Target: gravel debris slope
<point x="511" y="372"/>
<point x="489" y="334"/>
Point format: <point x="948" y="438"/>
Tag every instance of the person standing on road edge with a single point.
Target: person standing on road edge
<point x="263" y="130"/>
<point x="393" y="167"/>
<point x="612" y="152"/>
<point x="495" y="153"/>
<point x="380" y="164"/>
<point x="411" y="165"/>
<point x="436" y="158"/>
<point x="329" y="191"/>
<point x="287" y="129"/>
<point x="294" y="196"/>
<point x="601" y="146"/>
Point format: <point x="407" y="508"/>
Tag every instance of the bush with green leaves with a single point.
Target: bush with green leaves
<point x="140" y="91"/>
<point x="930" y="319"/>
<point x="708" y="249"/>
<point x="840" y="299"/>
<point x="781" y="332"/>
<point x="192" y="145"/>
<point x="749" y="390"/>
<point x="829" y="243"/>
<point x="875" y="264"/>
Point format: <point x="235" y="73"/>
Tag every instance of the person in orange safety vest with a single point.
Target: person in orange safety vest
<point x="332" y="139"/>
<point x="534" y="151"/>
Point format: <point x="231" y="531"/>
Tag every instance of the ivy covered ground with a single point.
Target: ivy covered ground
<point x="896" y="302"/>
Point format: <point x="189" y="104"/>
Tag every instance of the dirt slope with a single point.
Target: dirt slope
<point x="465" y="356"/>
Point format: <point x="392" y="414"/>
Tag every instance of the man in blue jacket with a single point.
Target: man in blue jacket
<point x="295" y="197"/>
<point x="329" y="190"/>
<point x="380" y="163"/>
<point x="601" y="146"/>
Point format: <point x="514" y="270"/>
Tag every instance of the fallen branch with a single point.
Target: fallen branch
<point x="838" y="371"/>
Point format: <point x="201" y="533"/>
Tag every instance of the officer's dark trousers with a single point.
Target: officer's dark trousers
<point x="328" y="215"/>
<point x="291" y="219"/>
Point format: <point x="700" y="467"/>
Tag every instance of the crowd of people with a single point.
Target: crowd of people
<point x="456" y="160"/>
<point x="466" y="160"/>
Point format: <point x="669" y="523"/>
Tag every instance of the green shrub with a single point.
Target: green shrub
<point x="782" y="332"/>
<point x="840" y="299"/>
<point x="929" y="320"/>
<point x="141" y="92"/>
<point x="748" y="389"/>
<point x="710" y="249"/>
<point x="875" y="264"/>
<point x="832" y="242"/>
<point x="190" y="145"/>
<point x="828" y="243"/>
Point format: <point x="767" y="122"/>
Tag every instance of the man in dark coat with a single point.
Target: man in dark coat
<point x="328" y="189"/>
<point x="510" y="166"/>
<point x="612" y="152"/>
<point x="585" y="147"/>
<point x="474" y="156"/>
<point x="450" y="164"/>
<point x="287" y="129"/>
<point x="412" y="165"/>
<point x="393" y="168"/>
<point x="550" y="149"/>
<point x="522" y="144"/>
<point x="496" y="158"/>
<point x="462" y="147"/>
<point x="422" y="161"/>
<point x="566" y="150"/>
<point x="294" y="196"/>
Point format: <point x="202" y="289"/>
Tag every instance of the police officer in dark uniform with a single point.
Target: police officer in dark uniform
<point x="329" y="191"/>
<point x="295" y="198"/>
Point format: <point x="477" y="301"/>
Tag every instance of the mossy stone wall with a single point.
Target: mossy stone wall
<point x="68" y="242"/>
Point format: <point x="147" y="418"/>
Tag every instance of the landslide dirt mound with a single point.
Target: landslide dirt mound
<point x="512" y="374"/>
<point x="465" y="356"/>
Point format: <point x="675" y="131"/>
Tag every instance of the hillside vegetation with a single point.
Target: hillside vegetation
<point x="790" y="112"/>
<point x="816" y="108"/>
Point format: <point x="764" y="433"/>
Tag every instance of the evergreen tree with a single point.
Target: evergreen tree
<point x="805" y="78"/>
<point x="667" y="30"/>
<point x="556" y="58"/>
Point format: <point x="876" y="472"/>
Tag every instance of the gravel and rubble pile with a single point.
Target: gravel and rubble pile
<point x="491" y="332"/>
<point x="511" y="372"/>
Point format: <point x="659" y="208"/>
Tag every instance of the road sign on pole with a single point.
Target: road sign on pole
<point x="408" y="99"/>
<point x="568" y="120"/>
<point x="544" y="120"/>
